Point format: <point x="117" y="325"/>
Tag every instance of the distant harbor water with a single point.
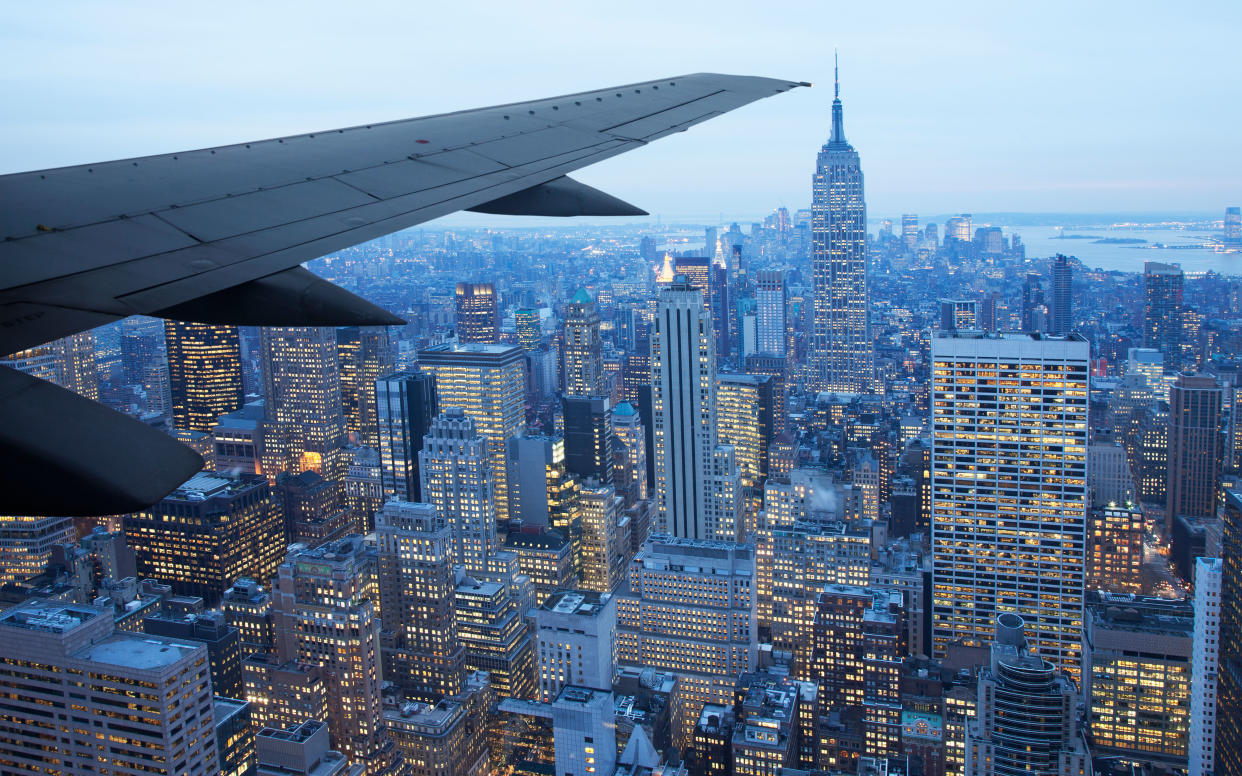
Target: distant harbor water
<point x="1118" y="252"/>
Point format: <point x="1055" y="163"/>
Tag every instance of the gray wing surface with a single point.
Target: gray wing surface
<point x="218" y="234"/>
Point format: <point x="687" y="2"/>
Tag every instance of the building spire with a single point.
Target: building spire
<point x="838" y="122"/>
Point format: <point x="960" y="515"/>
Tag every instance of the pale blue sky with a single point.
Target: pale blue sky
<point x="1056" y="106"/>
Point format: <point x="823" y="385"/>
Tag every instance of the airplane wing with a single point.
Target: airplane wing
<point x="218" y="234"/>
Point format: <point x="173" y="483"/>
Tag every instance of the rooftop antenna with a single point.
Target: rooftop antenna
<point x="836" y="76"/>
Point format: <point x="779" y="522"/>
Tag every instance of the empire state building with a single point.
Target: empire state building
<point x="841" y="351"/>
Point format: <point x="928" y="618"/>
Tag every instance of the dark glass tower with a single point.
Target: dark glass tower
<point x="405" y="405"/>
<point x="841" y="350"/>
<point x="1162" y="310"/>
<point x="1062" y="299"/>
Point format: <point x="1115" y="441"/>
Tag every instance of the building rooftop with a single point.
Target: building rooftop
<point x="132" y="650"/>
<point x="488" y="350"/>
<point x="1011" y="336"/>
<point x="586" y="603"/>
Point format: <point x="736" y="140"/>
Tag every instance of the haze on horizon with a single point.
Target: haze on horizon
<point x="1055" y="107"/>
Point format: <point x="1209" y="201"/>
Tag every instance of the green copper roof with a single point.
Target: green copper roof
<point x="581" y="297"/>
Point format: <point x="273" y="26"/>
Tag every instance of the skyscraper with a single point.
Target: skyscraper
<point x="1061" y="320"/>
<point x="305" y="428"/>
<point x="1196" y="442"/>
<point x="690" y="610"/>
<point x="364" y="355"/>
<point x="204" y="373"/>
<point x="1232" y="232"/>
<point x="478" y="318"/>
<point x="589" y="437"/>
<point x="576" y="632"/>
<point x="68" y="662"/>
<point x="26" y="543"/>
<point x="841" y="348"/>
<point x="405" y="404"/>
<point x="325" y="610"/>
<point x="910" y="231"/>
<point x="959" y="314"/>
<point x="488" y="382"/>
<point x="75" y="364"/>
<point x="745" y="417"/>
<point x="422" y="652"/>
<point x="529" y="330"/>
<point x="1032" y="303"/>
<point x="457" y="479"/>
<point x="683" y="371"/>
<point x="207" y="534"/>
<point x="1027" y="717"/>
<point x="600" y="554"/>
<point x="1162" y="310"/>
<point x="584" y="367"/>
<point x="1004" y="541"/>
<point x="771" y="300"/>
<point x="1205" y="668"/>
<point x="1229" y="698"/>
<point x="630" y="463"/>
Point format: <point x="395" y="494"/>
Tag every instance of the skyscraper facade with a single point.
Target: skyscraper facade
<point x="772" y="330"/>
<point x="683" y="371"/>
<point x="137" y="703"/>
<point x="1027" y="717"/>
<point x="584" y="366"/>
<point x="325" y="611"/>
<point x="456" y="474"/>
<point x="364" y="354"/>
<point x="1002" y="540"/>
<point x="305" y="428"/>
<point x="1195" y="447"/>
<point x="207" y="534"/>
<point x="1061" y="315"/>
<point x="529" y="330"/>
<point x="630" y="463"/>
<point x="841" y="348"/>
<point x="405" y="403"/>
<point x="204" y="373"/>
<point x="589" y="436"/>
<point x="488" y="382"/>
<point x="422" y="652"/>
<point x="1162" y="310"/>
<point x="26" y="543"/>
<point x="478" y="318"/>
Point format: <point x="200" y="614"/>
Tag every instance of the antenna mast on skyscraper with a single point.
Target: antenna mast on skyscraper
<point x="836" y="76"/>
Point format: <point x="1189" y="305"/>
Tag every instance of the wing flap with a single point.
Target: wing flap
<point x="561" y="197"/>
<point x="68" y="456"/>
<point x="294" y="297"/>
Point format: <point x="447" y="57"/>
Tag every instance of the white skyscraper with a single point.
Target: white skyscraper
<point x="1205" y="666"/>
<point x="577" y="641"/>
<point x="84" y="698"/>
<point x="770" y="300"/>
<point x="1009" y="488"/>
<point x="457" y="479"/>
<point x="683" y="370"/>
